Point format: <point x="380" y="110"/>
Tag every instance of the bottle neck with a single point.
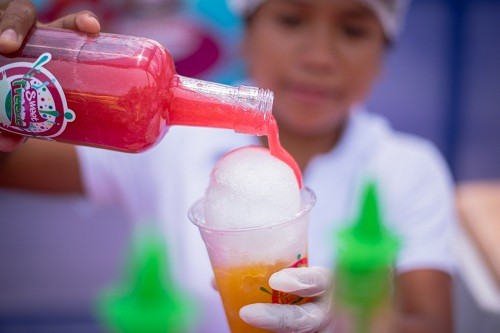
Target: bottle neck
<point x="196" y="102"/>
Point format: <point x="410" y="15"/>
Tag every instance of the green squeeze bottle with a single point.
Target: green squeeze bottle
<point x="147" y="299"/>
<point x="363" y="272"/>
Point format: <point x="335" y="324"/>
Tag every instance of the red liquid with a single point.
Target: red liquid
<point x="116" y="88"/>
<point x="123" y="91"/>
<point x="280" y="152"/>
<point x="193" y="109"/>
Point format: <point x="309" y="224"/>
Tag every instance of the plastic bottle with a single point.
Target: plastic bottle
<point x="114" y="91"/>
<point x="363" y="273"/>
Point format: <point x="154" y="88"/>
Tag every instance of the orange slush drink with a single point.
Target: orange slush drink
<point x="243" y="259"/>
<point x="247" y="284"/>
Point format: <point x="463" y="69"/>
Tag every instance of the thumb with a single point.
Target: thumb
<point x="84" y="21"/>
<point x="302" y="281"/>
<point x="15" y="22"/>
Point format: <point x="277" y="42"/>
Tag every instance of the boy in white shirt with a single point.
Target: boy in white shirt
<point x="320" y="58"/>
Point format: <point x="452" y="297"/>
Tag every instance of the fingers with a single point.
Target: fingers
<point x="84" y="21"/>
<point x="302" y="281"/>
<point x="309" y="317"/>
<point x="16" y="21"/>
<point x="20" y="15"/>
<point x="9" y="142"/>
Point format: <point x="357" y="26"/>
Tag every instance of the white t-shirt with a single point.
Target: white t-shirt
<point x="160" y="185"/>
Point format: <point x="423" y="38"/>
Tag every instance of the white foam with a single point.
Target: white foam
<point x="249" y="187"/>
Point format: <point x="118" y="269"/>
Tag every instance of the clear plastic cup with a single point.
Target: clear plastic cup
<point x="243" y="259"/>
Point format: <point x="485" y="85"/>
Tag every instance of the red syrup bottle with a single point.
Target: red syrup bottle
<point x="115" y="92"/>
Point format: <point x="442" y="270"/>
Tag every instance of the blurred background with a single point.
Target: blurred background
<point x="442" y="82"/>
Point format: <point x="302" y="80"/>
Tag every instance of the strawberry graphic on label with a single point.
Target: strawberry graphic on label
<point x="301" y="262"/>
<point x="280" y="297"/>
<point x="32" y="101"/>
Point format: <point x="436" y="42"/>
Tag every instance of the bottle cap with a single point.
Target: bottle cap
<point x="367" y="243"/>
<point x="147" y="299"/>
<point x="366" y="254"/>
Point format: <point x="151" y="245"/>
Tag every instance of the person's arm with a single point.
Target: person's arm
<point x="423" y="302"/>
<point x="41" y="166"/>
<point x="421" y="206"/>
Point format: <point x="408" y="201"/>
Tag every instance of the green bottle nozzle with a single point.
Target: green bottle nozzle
<point x="365" y="256"/>
<point x="147" y="299"/>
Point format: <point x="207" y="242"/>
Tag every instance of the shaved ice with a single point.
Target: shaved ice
<point x="249" y="187"/>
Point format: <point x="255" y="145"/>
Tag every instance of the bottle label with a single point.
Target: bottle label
<point x="32" y="101"/>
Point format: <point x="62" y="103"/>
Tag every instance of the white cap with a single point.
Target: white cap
<point x="391" y="13"/>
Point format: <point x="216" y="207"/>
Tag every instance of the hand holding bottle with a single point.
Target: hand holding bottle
<point x="314" y="316"/>
<point x="114" y="91"/>
<point x="16" y="19"/>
